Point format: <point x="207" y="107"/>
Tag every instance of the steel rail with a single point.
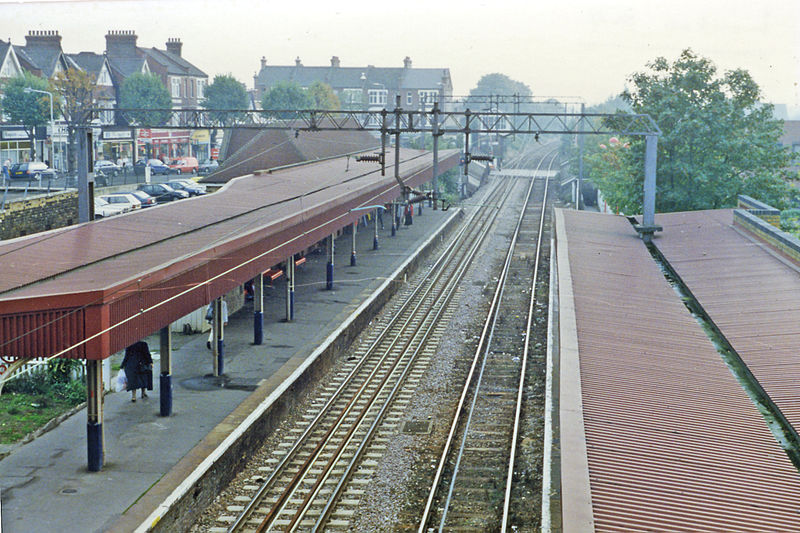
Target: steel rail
<point x="452" y="287"/>
<point x="500" y="291"/>
<point x="524" y="365"/>
<point x="465" y="391"/>
<point x="354" y="425"/>
<point x="427" y="283"/>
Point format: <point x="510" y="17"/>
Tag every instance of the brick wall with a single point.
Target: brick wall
<point x="39" y="213"/>
<point x="763" y="211"/>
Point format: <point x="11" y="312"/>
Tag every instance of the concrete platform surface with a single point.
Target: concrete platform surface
<point x="45" y="485"/>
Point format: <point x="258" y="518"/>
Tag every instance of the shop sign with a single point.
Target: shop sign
<point x="124" y="134"/>
<point x="15" y="134"/>
<point x="144" y="133"/>
<point x="201" y="136"/>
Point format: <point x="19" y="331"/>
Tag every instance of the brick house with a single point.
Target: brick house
<point x="366" y="87"/>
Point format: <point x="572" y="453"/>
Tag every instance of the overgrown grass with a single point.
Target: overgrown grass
<point x="29" y="402"/>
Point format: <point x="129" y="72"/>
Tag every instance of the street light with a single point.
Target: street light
<point x="29" y="90"/>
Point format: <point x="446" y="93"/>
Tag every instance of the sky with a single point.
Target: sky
<point x="576" y="48"/>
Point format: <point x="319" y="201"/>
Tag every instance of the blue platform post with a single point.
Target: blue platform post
<point x="375" y="236"/>
<point x="331" y="251"/>
<point x="94" y="414"/>
<point x="217" y="345"/>
<point x="258" y="309"/>
<point x="290" y="288"/>
<point x="165" y="379"/>
<point x="353" y="245"/>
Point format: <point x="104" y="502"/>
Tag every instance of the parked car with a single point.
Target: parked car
<point x="157" y="167"/>
<point x="146" y="199"/>
<point x="103" y="209"/>
<point x="162" y="192"/>
<point x="107" y="167"/>
<point x="185" y="165"/>
<point x="124" y="199"/>
<point x="193" y="188"/>
<point x="208" y="166"/>
<point x="34" y="170"/>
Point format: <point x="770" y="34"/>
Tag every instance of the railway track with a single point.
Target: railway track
<point x="472" y="487"/>
<point x="316" y="477"/>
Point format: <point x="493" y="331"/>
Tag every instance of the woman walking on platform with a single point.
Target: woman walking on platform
<point x="138" y="366"/>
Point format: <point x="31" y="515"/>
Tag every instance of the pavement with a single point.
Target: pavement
<point x="45" y="484"/>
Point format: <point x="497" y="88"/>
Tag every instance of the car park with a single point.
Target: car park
<point x="208" y="166"/>
<point x="33" y="170"/>
<point x="144" y="198"/>
<point x="103" y="209"/>
<point x="193" y="188"/>
<point x="157" y="167"/>
<point x="123" y="199"/>
<point x="185" y="165"/>
<point x="107" y="167"/>
<point x="162" y="192"/>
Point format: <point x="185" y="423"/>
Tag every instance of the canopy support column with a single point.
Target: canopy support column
<point x="165" y="380"/>
<point x="258" y="309"/>
<point x="94" y="414"/>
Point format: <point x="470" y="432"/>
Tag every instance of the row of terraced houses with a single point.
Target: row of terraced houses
<point x="357" y="87"/>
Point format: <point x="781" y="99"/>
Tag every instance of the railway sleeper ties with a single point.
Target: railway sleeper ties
<point x="431" y="281"/>
<point x="476" y="444"/>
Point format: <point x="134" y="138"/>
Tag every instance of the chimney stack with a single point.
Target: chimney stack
<point x="407" y="62"/>
<point x="121" y="43"/>
<point x="174" y="46"/>
<point x="49" y="38"/>
<point x="263" y="61"/>
<point x="297" y="62"/>
<point x="335" y="61"/>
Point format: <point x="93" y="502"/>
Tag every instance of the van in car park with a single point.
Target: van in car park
<point x="185" y="165"/>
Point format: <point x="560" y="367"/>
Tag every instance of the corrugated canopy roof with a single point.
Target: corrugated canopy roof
<point x="138" y="272"/>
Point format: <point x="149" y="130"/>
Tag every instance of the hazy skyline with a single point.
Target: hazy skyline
<point x="577" y="48"/>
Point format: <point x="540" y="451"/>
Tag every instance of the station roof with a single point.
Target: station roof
<point x="656" y="433"/>
<point x="751" y="292"/>
<point x="116" y="280"/>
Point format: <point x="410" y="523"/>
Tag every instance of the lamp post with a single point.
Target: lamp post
<point x="29" y="90"/>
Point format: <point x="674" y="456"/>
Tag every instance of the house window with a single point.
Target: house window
<point x="176" y="88"/>
<point x="378" y="96"/>
<point x="427" y="98"/>
<point x="351" y="97"/>
<point x="409" y="98"/>
<point x="201" y="86"/>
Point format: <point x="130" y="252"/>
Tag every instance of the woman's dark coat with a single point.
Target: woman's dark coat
<point x="138" y="365"/>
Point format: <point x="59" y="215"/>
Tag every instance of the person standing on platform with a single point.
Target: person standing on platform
<point x="138" y="366"/>
<point x="210" y="320"/>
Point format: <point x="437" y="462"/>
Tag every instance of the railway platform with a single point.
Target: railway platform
<point x="44" y="484"/>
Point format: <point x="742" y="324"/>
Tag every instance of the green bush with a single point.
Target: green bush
<point x="790" y="221"/>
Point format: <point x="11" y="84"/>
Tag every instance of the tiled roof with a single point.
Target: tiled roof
<point x="44" y="58"/>
<point x="351" y="77"/>
<point x="174" y="64"/>
<point x="88" y="61"/>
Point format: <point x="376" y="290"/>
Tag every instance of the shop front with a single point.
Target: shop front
<point x="164" y="144"/>
<point x="15" y="145"/>
<point x="116" y="144"/>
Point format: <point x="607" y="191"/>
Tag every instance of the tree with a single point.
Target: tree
<point x="76" y="89"/>
<point x="285" y="95"/>
<point x="27" y="109"/>
<point x="145" y="91"/>
<point x="500" y="84"/>
<point x="323" y="96"/>
<point x="225" y="93"/>
<point x="718" y="140"/>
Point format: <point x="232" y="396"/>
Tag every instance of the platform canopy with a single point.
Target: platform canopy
<point x="87" y="291"/>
